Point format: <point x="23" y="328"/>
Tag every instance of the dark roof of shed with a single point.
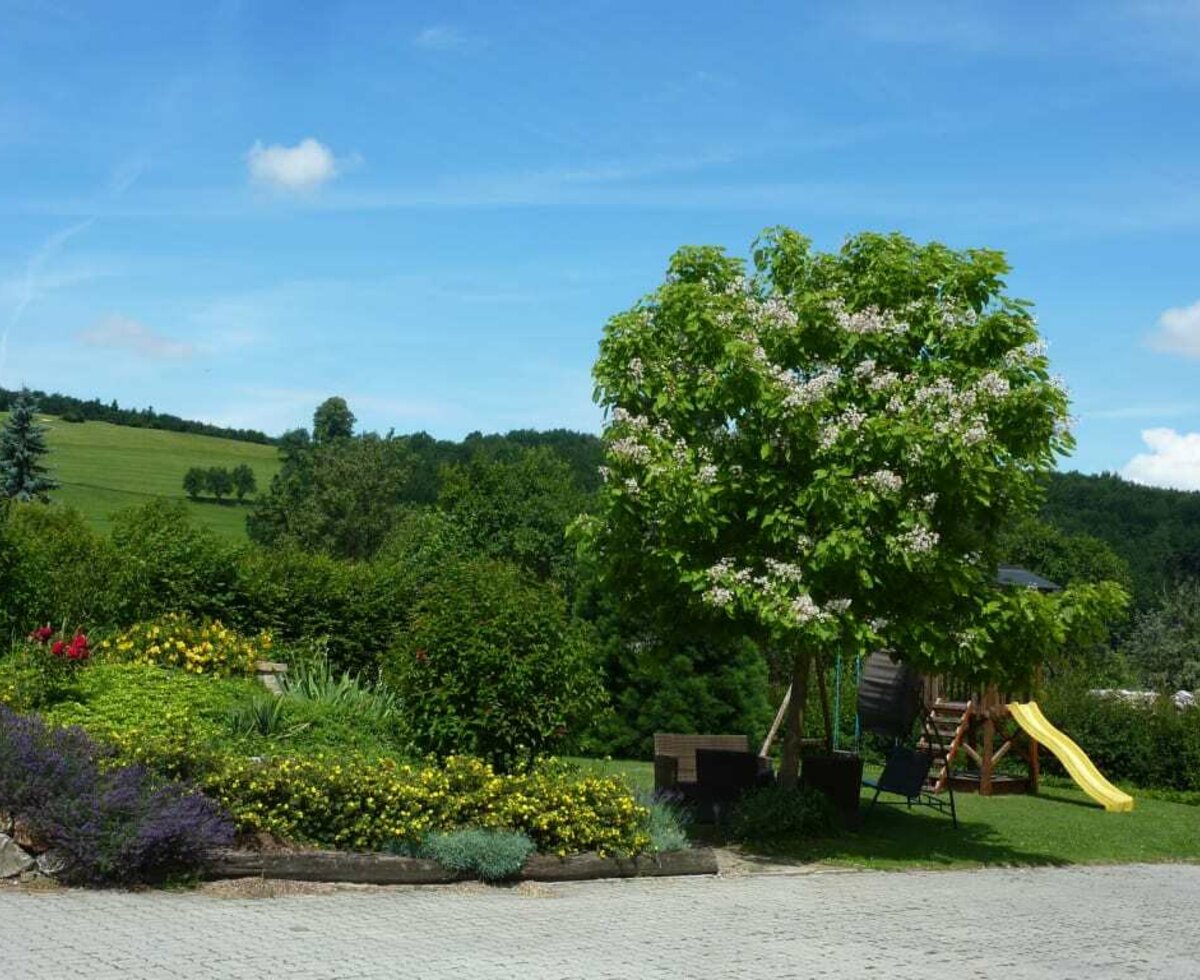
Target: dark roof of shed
<point x="1012" y="575"/>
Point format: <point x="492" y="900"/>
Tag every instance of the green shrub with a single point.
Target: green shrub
<point x="53" y="569"/>
<point x="679" y="684"/>
<point x="165" y="563"/>
<point x="1154" y="745"/>
<point x="492" y="665"/>
<point x="176" y="723"/>
<point x="371" y="803"/>
<point x="776" y="812"/>
<point x="353" y="608"/>
<point x="491" y="855"/>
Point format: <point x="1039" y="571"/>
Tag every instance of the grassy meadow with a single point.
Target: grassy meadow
<point x="104" y="468"/>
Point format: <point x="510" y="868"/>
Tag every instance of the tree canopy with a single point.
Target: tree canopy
<point x="827" y="449"/>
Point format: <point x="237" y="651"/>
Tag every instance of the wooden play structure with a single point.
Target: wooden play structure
<point x="978" y="731"/>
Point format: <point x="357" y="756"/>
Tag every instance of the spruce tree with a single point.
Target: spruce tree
<point x="22" y="446"/>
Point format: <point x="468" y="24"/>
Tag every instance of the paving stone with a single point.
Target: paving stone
<point x="1046" y="924"/>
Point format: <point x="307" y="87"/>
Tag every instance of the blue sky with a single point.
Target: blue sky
<point x="231" y="210"/>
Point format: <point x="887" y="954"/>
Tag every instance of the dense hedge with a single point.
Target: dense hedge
<point x="1156" y="746"/>
<point x="54" y="569"/>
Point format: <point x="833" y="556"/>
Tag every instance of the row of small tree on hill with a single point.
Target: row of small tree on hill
<point x="219" y="482"/>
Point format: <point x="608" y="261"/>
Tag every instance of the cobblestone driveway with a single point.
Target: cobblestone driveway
<point x="1132" y="921"/>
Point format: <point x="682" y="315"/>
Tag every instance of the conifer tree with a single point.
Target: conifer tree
<point x="22" y="447"/>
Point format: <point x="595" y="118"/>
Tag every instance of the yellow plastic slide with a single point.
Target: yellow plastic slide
<point x="1029" y="716"/>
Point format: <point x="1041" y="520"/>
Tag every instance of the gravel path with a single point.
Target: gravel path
<point x="1129" y="921"/>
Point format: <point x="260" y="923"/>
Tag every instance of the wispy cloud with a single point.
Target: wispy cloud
<point x="301" y="168"/>
<point x="30" y="283"/>
<point x="1173" y="460"/>
<point x="118" y="332"/>
<point x="441" y="37"/>
<point x="1179" y="331"/>
<point x="1152" y="411"/>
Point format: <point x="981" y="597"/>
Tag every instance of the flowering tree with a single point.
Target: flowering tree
<point x="827" y="449"/>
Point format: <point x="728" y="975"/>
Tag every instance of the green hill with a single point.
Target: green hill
<point x="104" y="468"/>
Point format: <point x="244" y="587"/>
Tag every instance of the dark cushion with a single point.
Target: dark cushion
<point x="723" y="776"/>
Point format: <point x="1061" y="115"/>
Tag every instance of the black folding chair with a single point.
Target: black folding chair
<point x="906" y="774"/>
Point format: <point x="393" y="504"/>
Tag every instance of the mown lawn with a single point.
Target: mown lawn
<point x="1058" y="826"/>
<point x="104" y="468"/>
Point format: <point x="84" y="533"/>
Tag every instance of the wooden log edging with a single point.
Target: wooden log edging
<point x="391" y="869"/>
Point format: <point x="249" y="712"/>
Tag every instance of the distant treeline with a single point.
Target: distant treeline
<point x="93" y="410"/>
<point x="1156" y="531"/>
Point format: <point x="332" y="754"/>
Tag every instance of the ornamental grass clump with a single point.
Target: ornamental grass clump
<point x="199" y="646"/>
<point x="106" y="824"/>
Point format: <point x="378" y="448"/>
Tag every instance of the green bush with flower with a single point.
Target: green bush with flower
<point x="198" y="646"/>
<point x="370" y="804"/>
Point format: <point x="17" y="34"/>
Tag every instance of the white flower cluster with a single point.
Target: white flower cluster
<point x="629" y="449"/>
<point x="784" y="571"/>
<point x="850" y="420"/>
<point x="773" y="312"/>
<point x="637" y="370"/>
<point x="869" y="320"/>
<point x="777" y="585"/>
<point x="976" y="432"/>
<point x="707" y="474"/>
<point x="885" y="481"/>
<point x="1025" y="355"/>
<point x="918" y="540"/>
<point x="804" y="609"/>
<point x="993" y="385"/>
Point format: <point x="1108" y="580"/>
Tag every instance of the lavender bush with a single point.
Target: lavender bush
<point x="111" y="824"/>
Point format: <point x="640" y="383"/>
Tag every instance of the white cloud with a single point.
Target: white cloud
<point x="1179" y="331"/>
<point x="440" y="38"/>
<point x="303" y="167"/>
<point x="1173" y="460"/>
<point x="118" y="332"/>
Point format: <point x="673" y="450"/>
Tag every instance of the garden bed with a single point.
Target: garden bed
<point x="389" y="869"/>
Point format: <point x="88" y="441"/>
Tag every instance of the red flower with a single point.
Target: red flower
<point x="42" y="634"/>
<point x="59" y="648"/>
<point x="78" y="650"/>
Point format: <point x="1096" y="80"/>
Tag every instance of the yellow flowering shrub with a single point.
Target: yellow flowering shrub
<point x="366" y="804"/>
<point x="204" y="646"/>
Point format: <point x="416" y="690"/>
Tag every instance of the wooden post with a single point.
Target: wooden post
<point x="1035" y="768"/>
<point x="986" y="762"/>
<point x="825" y="715"/>
<point x="789" y="764"/>
<point x="774" y="730"/>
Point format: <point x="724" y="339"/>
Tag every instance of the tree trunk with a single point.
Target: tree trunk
<point x="789" y="764"/>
